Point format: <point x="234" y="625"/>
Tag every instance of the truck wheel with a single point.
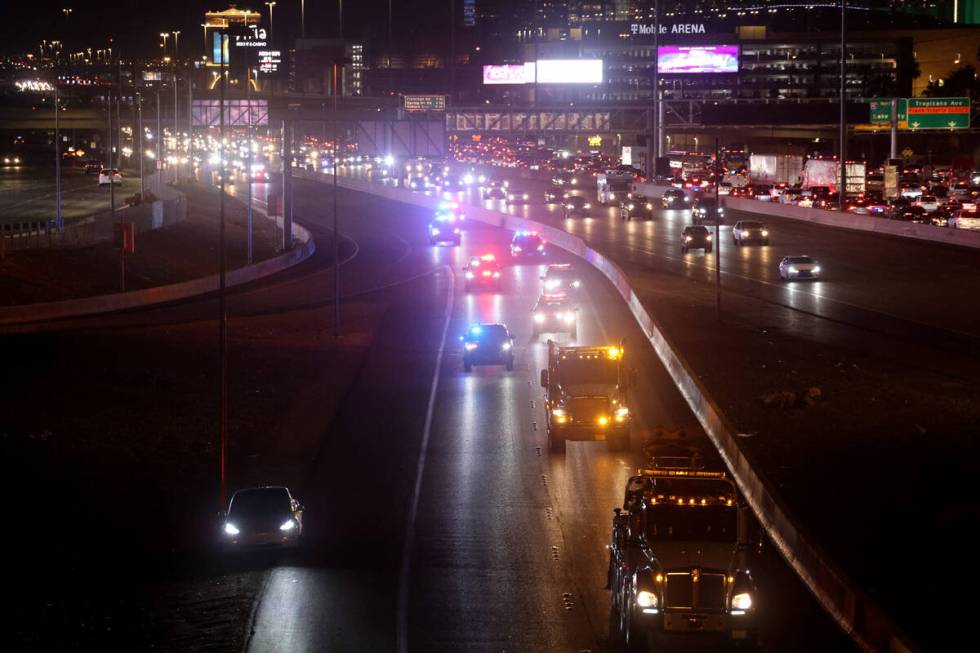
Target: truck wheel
<point x="555" y="444"/>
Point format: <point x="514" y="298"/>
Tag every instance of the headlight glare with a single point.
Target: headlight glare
<point x="742" y="601"/>
<point x="231" y="529"/>
<point x="288" y="525"/>
<point x="647" y="599"/>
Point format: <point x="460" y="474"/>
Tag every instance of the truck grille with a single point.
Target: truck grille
<point x="708" y="593"/>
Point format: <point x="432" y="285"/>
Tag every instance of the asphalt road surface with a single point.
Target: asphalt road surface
<point x="27" y="193"/>
<point x="436" y="518"/>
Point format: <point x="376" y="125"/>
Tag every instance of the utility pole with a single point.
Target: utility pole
<point x="655" y="152"/>
<point x="340" y="18"/>
<point x="139" y="149"/>
<point x="176" y="137"/>
<point x="159" y="147"/>
<point x="842" y="191"/>
<point x="452" y="52"/>
<point x="893" y="149"/>
<point x="248" y="162"/>
<point x="717" y="230"/>
<point x="222" y="310"/>
<point x="336" y="228"/>
<point x="57" y="160"/>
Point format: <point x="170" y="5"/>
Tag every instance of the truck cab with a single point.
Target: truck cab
<point x="586" y="392"/>
<point x="678" y="564"/>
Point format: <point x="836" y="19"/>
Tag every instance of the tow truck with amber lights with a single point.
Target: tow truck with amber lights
<point x="482" y="272"/>
<point x="678" y="561"/>
<point x="586" y="395"/>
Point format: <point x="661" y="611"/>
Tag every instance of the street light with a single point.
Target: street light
<point x="270" y="5"/>
<point x="165" y="36"/>
<point x="176" y="34"/>
<point x="302" y="18"/>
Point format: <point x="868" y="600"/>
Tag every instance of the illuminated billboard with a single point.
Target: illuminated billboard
<point x="569" y="71"/>
<point x="683" y="59"/>
<point x="522" y="73"/>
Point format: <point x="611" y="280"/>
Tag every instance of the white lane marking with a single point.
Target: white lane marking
<point x="401" y="630"/>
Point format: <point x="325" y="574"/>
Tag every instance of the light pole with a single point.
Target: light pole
<point x="842" y="190"/>
<point x="176" y="34"/>
<point x="340" y="17"/>
<point x="302" y="18"/>
<point x="57" y="159"/>
<point x="336" y="232"/>
<point x="165" y="36"/>
<point x="270" y="5"/>
<point x="139" y="149"/>
<point x="204" y="26"/>
<point x="248" y="161"/>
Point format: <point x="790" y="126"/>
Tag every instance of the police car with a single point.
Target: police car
<point x="446" y="226"/>
<point x="488" y="344"/>
<point x="482" y="272"/>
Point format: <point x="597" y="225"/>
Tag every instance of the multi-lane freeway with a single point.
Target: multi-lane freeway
<point x="436" y="518"/>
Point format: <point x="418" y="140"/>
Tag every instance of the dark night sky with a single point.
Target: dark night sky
<point x="136" y="25"/>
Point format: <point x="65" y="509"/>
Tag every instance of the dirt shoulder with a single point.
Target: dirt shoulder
<point x="182" y="252"/>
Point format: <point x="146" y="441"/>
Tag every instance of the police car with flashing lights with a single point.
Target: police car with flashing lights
<point x="482" y="272"/>
<point x="527" y="244"/>
<point x="555" y="314"/>
<point x="561" y="277"/>
<point x="446" y="227"/>
<point x="488" y="344"/>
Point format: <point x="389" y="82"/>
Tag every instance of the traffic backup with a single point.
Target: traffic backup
<point x="586" y="392"/>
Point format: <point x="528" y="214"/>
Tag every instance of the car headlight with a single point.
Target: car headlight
<point x="742" y="601"/>
<point x="765" y="232"/>
<point x="708" y="236"/>
<point x="456" y="230"/>
<point x="525" y="196"/>
<point x="791" y="269"/>
<point x="469" y="274"/>
<point x="517" y="248"/>
<point x="231" y="529"/>
<point x="586" y="206"/>
<point x="687" y="199"/>
<point x="630" y="207"/>
<point x="539" y="317"/>
<point x="687" y="239"/>
<point x="646" y="599"/>
<point x="288" y="525"/>
<point x="576" y="283"/>
<point x="506" y="346"/>
<point x="470" y="346"/>
<point x="622" y="413"/>
<point x="721" y="211"/>
<point x="816" y="269"/>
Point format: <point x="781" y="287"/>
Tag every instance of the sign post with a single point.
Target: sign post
<point x="125" y="240"/>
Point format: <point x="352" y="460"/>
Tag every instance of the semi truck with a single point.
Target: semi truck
<point x="586" y="395"/>
<point x="775" y="169"/>
<point x="678" y="560"/>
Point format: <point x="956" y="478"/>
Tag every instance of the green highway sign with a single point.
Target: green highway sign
<point x="939" y="113"/>
<point x="881" y="112"/>
<point x="424" y="102"/>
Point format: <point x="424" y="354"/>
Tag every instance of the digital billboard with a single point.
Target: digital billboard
<point x="569" y="71"/>
<point x="683" y="59"/>
<point x="522" y="73"/>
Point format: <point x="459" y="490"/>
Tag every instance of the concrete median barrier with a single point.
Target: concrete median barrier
<point x="870" y="627"/>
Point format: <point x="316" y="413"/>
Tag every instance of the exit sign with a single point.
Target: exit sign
<point x="939" y="113"/>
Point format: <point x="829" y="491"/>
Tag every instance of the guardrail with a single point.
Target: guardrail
<point x="866" y="623"/>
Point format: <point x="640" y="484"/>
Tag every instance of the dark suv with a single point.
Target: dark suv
<point x="696" y="237"/>
<point x="675" y="198"/>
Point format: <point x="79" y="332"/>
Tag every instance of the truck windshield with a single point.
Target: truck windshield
<point x="692" y="523"/>
<point x="574" y="371"/>
<point x="618" y="185"/>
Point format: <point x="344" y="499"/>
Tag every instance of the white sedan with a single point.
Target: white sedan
<point x="107" y="176"/>
<point x="262" y="517"/>
<point x="799" y="267"/>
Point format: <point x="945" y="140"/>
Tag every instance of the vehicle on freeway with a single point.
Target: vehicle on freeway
<point x="612" y="187"/>
<point x="965" y="219"/>
<point x="791" y="195"/>
<point x="636" y="206"/>
<point x="482" y="272"/>
<point x="93" y="167"/>
<point x="554" y="195"/>
<point x="909" y="213"/>
<point x="107" y="176"/>
<point x="799" y="267"/>
<point x="446" y="226"/>
<point x="749" y="231"/>
<point x="696" y="237"/>
<point x="488" y="344"/>
<point x="527" y="244"/>
<point x="679" y="561"/>
<point x="941" y="217"/>
<point x="564" y="178"/>
<point x="929" y="202"/>
<point x="11" y="160"/>
<point x="561" y="277"/>
<point x="494" y="189"/>
<point x="553" y="313"/>
<point x="575" y="206"/>
<point x="675" y="198"/>
<point x="696" y="183"/>
<point x="473" y="178"/>
<point x="662" y="455"/>
<point x="259" y="173"/>
<point x="586" y="392"/>
<point x="707" y="211"/>
<point x="262" y="517"/>
<point x="518" y="196"/>
<point x="762" y="192"/>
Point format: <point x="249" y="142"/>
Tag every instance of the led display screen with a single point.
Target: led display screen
<point x="684" y="59"/>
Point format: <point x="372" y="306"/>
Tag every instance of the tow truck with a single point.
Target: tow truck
<point x="678" y="561"/>
<point x="586" y="392"/>
<point x="482" y="272"/>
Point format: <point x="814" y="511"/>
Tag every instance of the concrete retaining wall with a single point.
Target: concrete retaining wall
<point x="931" y="233"/>
<point x="853" y="610"/>
<point x="304" y="247"/>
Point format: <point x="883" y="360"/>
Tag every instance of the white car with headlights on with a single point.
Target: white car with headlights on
<point x="799" y="267"/>
<point x="262" y="517"/>
<point x="561" y="277"/>
<point x="554" y="314"/>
